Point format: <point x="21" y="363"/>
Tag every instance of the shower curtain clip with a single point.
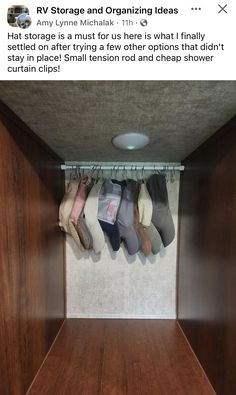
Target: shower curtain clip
<point x="143" y="174"/>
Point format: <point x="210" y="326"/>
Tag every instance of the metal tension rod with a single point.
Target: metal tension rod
<point x="120" y="167"/>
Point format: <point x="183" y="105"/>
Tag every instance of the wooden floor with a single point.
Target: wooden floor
<point x="116" y="357"/>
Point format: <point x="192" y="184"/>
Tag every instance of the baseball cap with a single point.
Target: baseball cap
<point x="125" y="220"/>
<point x="90" y="213"/>
<point x="161" y="217"/>
<point x="65" y="210"/>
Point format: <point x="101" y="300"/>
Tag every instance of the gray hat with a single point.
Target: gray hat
<point x="161" y="217"/>
<point x="90" y="213"/>
<point x="125" y="220"/>
<point x="154" y="238"/>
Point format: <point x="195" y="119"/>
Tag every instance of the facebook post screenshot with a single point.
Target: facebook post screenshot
<point x="118" y="197"/>
<point x="169" y="40"/>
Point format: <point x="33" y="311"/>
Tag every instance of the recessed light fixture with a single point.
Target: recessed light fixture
<point x="130" y="141"/>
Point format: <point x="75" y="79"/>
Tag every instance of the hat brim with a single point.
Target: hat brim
<point x="154" y="237"/>
<point x="73" y="232"/>
<point x="167" y="230"/>
<point x="97" y="236"/>
<point x="131" y="240"/>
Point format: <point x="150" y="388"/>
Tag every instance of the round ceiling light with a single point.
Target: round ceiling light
<point x="130" y="141"/>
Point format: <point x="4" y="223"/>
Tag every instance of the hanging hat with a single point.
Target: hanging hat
<point x="109" y="201"/>
<point x="145" y="207"/>
<point x="126" y="220"/>
<point x="90" y="213"/>
<point x="84" y="233"/>
<point x="161" y="217"/>
<point x="113" y="233"/>
<point x="67" y="204"/>
<point x="80" y="198"/>
<point x="73" y="232"/>
<point x="145" y="243"/>
<point x="108" y="205"/>
<point x="154" y="238"/>
<point x="65" y="210"/>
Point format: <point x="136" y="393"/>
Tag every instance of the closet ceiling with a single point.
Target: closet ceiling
<point x="77" y="119"/>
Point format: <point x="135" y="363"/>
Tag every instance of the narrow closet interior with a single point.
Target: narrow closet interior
<point x="117" y="265"/>
<point x="126" y="272"/>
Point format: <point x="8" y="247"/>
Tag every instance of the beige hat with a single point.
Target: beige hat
<point x="145" y="207"/>
<point x="74" y="233"/>
<point x="65" y="210"/>
<point x="145" y="242"/>
<point x="67" y="204"/>
<point x="90" y="213"/>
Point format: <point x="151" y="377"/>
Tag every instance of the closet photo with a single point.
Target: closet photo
<point x="117" y="237"/>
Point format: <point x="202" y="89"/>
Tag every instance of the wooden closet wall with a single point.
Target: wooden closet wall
<point x="31" y="253"/>
<point x="207" y="256"/>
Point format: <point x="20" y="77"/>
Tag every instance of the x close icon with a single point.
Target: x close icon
<point x="222" y="8"/>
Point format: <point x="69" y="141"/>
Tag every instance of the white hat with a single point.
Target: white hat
<point x="145" y="207"/>
<point x="90" y="213"/>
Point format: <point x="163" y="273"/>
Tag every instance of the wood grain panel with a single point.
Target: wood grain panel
<point x="31" y="254"/>
<point x="132" y="357"/>
<point x="207" y="257"/>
